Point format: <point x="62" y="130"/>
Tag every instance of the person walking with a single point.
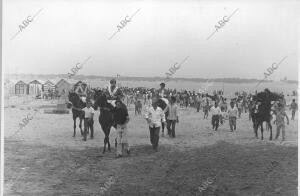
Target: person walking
<point x="206" y="108"/>
<point x="280" y="114"/>
<point x="240" y="107"/>
<point x="121" y="118"/>
<point x="294" y="108"/>
<point x="161" y="94"/>
<point x="232" y="113"/>
<point x="172" y="118"/>
<point x="198" y="102"/>
<point x="88" y="120"/>
<point x="155" y="116"/>
<point x="215" y="112"/>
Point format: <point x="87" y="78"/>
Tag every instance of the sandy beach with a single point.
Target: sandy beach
<point x="44" y="159"/>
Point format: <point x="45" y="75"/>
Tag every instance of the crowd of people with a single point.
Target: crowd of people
<point x="161" y="110"/>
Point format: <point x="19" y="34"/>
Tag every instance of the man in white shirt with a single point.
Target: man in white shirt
<point x="232" y="113"/>
<point x="88" y="120"/>
<point x="155" y="116"/>
<point x="215" y="112"/>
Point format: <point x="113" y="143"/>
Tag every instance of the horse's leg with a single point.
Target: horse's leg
<point x="108" y="132"/>
<point x="255" y="128"/>
<point x="255" y="131"/>
<point x="270" y="127"/>
<point x="104" y="148"/>
<point x="74" y="126"/>
<point x="80" y="125"/>
<point x="262" y="130"/>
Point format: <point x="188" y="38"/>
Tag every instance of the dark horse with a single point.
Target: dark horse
<point x="106" y="118"/>
<point x="261" y="111"/>
<point x="77" y="104"/>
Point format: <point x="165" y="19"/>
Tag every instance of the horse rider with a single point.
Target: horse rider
<point x="162" y="91"/>
<point x="113" y="92"/>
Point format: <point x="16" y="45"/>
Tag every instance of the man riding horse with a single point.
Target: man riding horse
<point x="106" y="101"/>
<point x="112" y="92"/>
<point x="261" y="110"/>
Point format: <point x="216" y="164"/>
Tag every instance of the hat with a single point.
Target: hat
<point x="162" y="84"/>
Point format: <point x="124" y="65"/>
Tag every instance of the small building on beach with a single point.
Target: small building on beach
<point x="63" y="87"/>
<point x="35" y="87"/>
<point x="48" y="86"/>
<point x="9" y="87"/>
<point x="21" y="88"/>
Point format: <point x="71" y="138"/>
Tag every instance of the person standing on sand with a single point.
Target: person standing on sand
<point x="155" y="116"/>
<point x="294" y="108"/>
<point x="280" y="114"/>
<point x="172" y="118"/>
<point x="215" y="112"/>
<point x="88" y="120"/>
<point x="232" y="113"/>
<point x="161" y="93"/>
<point x="198" y="102"/>
<point x="205" y="108"/>
<point x="240" y="107"/>
<point x="121" y="118"/>
<point x="148" y="102"/>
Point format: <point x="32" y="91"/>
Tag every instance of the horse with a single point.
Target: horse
<point x="106" y="117"/>
<point x="77" y="104"/>
<point x="261" y="111"/>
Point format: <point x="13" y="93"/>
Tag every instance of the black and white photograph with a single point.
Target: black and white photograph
<point x="149" y="97"/>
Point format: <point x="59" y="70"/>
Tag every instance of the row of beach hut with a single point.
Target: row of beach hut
<point x="38" y="87"/>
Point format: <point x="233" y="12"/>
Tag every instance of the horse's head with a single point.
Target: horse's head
<point x="75" y="100"/>
<point x="100" y="99"/>
<point x="97" y="93"/>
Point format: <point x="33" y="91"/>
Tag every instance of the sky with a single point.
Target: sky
<point x="160" y="34"/>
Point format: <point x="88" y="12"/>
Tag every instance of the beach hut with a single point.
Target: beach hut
<point x="21" y="88"/>
<point x="35" y="87"/>
<point x="9" y="87"/>
<point x="48" y="86"/>
<point x="63" y="87"/>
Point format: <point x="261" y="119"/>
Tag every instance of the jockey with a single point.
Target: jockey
<point x="162" y="92"/>
<point x="113" y="92"/>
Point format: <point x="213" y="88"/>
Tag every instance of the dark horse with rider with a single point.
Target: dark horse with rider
<point x="104" y="99"/>
<point x="261" y="110"/>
